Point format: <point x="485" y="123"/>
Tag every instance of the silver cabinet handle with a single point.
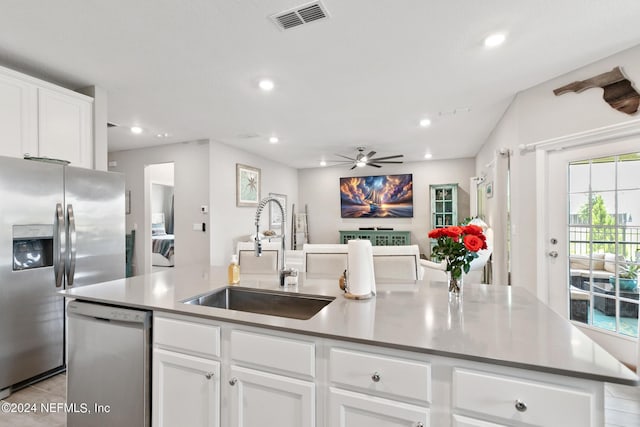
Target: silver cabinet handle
<point x="520" y="405"/>
<point x="553" y="254"/>
<point x="375" y="377"/>
<point x="233" y="381"/>
<point x="209" y="375"/>
<point x="59" y="246"/>
<point x="71" y="272"/>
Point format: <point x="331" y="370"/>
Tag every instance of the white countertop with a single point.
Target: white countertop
<point x="492" y="324"/>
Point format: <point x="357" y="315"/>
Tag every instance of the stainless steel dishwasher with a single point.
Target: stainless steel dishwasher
<point x="108" y="366"/>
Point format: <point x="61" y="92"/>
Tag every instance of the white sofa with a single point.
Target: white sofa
<point x="600" y="266"/>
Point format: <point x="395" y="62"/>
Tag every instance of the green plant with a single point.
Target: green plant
<point x="629" y="272"/>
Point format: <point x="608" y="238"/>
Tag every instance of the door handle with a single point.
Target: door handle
<point x="553" y="254"/>
<point x="71" y="266"/>
<point x="59" y="246"/>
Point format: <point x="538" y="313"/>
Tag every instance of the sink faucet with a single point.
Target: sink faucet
<point x="282" y="272"/>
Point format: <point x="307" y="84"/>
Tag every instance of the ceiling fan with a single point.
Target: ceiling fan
<point x="361" y="159"/>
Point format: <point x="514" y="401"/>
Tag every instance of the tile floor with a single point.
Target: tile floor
<point x="622" y="405"/>
<point x="47" y="392"/>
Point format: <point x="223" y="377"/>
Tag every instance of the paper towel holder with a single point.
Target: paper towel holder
<point x="344" y="285"/>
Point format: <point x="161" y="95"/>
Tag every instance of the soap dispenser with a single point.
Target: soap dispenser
<point x="234" y="270"/>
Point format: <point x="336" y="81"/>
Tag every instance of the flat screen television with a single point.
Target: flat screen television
<point x="381" y="196"/>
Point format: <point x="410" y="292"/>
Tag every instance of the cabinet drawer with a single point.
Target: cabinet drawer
<point x="187" y="336"/>
<point x="383" y="374"/>
<point x="282" y="354"/>
<point x="460" y="421"/>
<point x="544" y="404"/>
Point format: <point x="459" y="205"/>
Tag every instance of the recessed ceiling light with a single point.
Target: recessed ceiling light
<point x="323" y="163"/>
<point x="425" y="123"/>
<point x="136" y="129"/>
<point x="274" y="140"/>
<point x="428" y="156"/>
<point x="494" y="40"/>
<point x="266" y="85"/>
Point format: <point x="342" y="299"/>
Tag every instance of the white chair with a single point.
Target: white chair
<point x="250" y="263"/>
<point x="434" y="271"/>
<point x="324" y="258"/>
<point x="397" y="262"/>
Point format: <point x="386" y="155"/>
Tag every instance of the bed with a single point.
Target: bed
<point x="162" y="244"/>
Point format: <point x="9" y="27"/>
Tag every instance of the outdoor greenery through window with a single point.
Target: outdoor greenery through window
<point x="604" y="242"/>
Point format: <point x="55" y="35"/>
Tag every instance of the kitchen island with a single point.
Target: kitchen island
<point x="408" y="356"/>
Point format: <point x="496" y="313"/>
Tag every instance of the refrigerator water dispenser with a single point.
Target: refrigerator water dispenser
<point x="32" y="246"/>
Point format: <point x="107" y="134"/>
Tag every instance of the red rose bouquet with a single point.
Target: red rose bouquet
<point x="458" y="246"/>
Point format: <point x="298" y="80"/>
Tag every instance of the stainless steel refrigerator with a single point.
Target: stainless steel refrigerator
<point x="60" y="227"/>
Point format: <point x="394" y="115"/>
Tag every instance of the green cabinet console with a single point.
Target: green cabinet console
<point x="378" y="237"/>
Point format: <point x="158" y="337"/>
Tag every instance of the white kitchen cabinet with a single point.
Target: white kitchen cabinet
<point x="186" y="390"/>
<point x="44" y="120"/>
<point x="18" y="124"/>
<point x="382" y="385"/>
<point x="274" y="378"/>
<point x="520" y="401"/>
<point x="349" y="409"/>
<point x="460" y="421"/>
<point x="264" y="399"/>
<point x="64" y="127"/>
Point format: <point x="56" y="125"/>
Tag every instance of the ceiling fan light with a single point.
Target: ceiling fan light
<point x="361" y="163"/>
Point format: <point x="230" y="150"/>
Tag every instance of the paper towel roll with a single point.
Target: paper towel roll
<point x="360" y="277"/>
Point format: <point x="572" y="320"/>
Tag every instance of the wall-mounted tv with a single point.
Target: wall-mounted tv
<point x="381" y="196"/>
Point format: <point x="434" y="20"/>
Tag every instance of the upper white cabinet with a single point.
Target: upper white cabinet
<point x="64" y="127"/>
<point x="44" y="120"/>
<point x="18" y="124"/>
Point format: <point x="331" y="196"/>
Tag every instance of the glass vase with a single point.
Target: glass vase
<point x="455" y="285"/>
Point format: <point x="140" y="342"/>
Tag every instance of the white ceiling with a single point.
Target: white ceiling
<point x="365" y="76"/>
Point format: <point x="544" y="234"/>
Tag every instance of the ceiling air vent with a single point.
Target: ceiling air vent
<point x="300" y="15"/>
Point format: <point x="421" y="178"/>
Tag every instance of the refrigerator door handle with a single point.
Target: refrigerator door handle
<point x="71" y="266"/>
<point x="59" y="246"/>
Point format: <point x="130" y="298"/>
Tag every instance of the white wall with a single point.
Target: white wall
<point x="229" y="223"/>
<point x="191" y="166"/>
<point x="320" y="190"/>
<point x="162" y="174"/>
<point x="537" y="115"/>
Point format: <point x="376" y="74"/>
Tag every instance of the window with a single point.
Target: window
<point x="604" y="242"/>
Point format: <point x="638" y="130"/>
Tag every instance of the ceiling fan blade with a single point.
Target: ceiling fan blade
<point x="340" y="161"/>
<point x="352" y="167"/>
<point x="387" y="162"/>
<point x="345" y="157"/>
<point x="371" y="154"/>
<point x="374" y="165"/>
<point x="387" y="157"/>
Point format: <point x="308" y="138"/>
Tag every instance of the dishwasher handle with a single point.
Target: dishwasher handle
<point x="108" y="313"/>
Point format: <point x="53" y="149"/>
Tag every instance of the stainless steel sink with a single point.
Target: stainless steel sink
<point x="274" y="303"/>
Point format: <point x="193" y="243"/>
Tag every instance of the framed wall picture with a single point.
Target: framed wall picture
<point x="247" y="185"/>
<point x="490" y="190"/>
<point x="275" y="216"/>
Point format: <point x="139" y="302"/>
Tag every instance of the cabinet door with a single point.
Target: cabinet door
<point x="18" y="126"/>
<point x="348" y="409"/>
<point x="64" y="126"/>
<point x="186" y="390"/>
<point x="263" y="399"/>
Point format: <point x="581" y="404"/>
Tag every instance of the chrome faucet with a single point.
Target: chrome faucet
<point x="282" y="272"/>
